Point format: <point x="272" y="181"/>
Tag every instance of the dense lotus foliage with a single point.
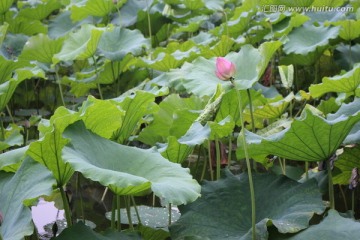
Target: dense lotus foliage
<point x="242" y="114"/>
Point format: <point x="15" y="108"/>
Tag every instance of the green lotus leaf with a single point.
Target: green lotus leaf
<point x="193" y="4"/>
<point x="79" y="45"/>
<point x="191" y="26"/>
<point x="112" y="70"/>
<point x="5" y="5"/>
<point x="239" y="22"/>
<point x="22" y="25"/>
<point x="11" y="136"/>
<point x="89" y="78"/>
<point x="80" y="88"/>
<point x="10" y="161"/>
<point x="348" y="110"/>
<point x="308" y="38"/>
<point x="103" y="117"/>
<point x="91" y="8"/>
<point x="229" y="105"/>
<point x="270" y="110"/>
<point x="196" y="135"/>
<point x="221" y="129"/>
<point x="284" y="27"/>
<point x="3" y="30"/>
<point x="136" y="106"/>
<point x="7" y="68"/>
<point x="115" y="44"/>
<point x="310" y="138"/>
<point x="40" y="11"/>
<point x="203" y="38"/>
<point x="182" y="120"/>
<point x="8" y="88"/>
<point x="175" y="151"/>
<point x="129" y="13"/>
<point x="127" y="170"/>
<point x="306" y="60"/>
<point x="221" y="48"/>
<point x="348" y="160"/>
<point x="171" y="57"/>
<point x="159" y="129"/>
<point x="224" y="212"/>
<point x="30" y="181"/>
<point x="331" y="227"/>
<point x="346" y="83"/>
<point x="47" y="150"/>
<point x="328" y="106"/>
<point x="62" y="24"/>
<point x="346" y="56"/>
<point x="41" y="48"/>
<point x="13" y="45"/>
<point x="216" y="5"/>
<point x="350" y="29"/>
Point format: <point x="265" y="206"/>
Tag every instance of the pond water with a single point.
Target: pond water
<point x="44" y="215"/>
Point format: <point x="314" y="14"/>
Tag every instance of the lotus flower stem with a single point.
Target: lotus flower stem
<point x="169" y="223"/>
<point x="247" y="158"/>
<point x="78" y="191"/>
<point x="149" y="20"/>
<point x="9" y="112"/>
<point x="210" y="163"/>
<point x="217" y="149"/>
<point x="251" y="110"/>
<point x="60" y="87"/>
<point x="66" y="207"/>
<point x="230" y="150"/>
<point x="128" y="211"/>
<point x="353" y="202"/>
<point x="118" y="212"/>
<point x="136" y="209"/>
<point x="113" y="208"/>
<point x="204" y="168"/>
<point x="331" y="188"/>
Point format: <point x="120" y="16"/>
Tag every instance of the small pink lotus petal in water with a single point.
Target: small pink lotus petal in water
<point x="224" y="69"/>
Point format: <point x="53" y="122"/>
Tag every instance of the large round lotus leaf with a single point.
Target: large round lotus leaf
<point x="117" y="43"/>
<point x="346" y="83"/>
<point x="127" y="170"/>
<point x="307" y="38"/>
<point x="91" y="8"/>
<point x="41" y="48"/>
<point x="310" y="138"/>
<point x="224" y="209"/>
<point x="79" y="45"/>
<point x="333" y="226"/>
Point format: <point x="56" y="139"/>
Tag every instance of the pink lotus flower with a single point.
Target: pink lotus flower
<point x="224" y="69"/>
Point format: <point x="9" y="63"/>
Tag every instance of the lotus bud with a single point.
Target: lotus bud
<point x="1" y="218"/>
<point x="224" y="69"/>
